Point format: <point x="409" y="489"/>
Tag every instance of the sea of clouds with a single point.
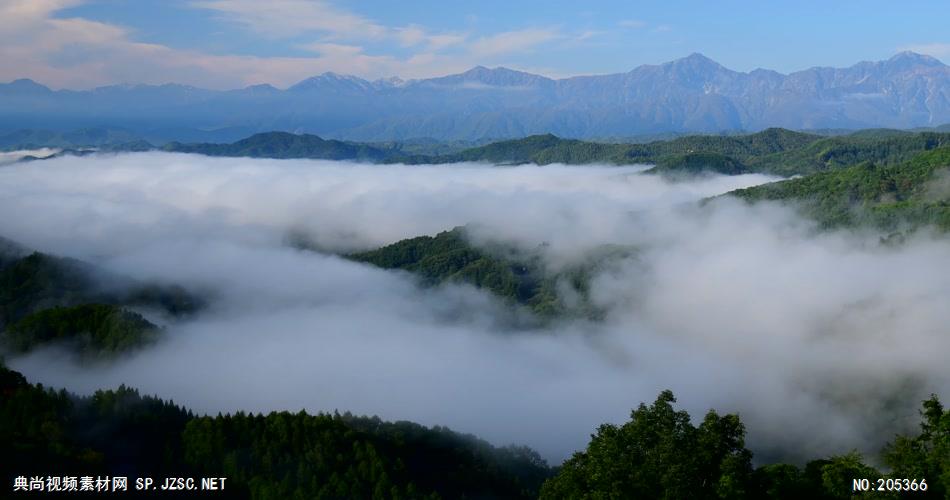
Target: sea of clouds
<point x="822" y="342"/>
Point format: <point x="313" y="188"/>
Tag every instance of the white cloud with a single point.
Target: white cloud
<point x="284" y="18"/>
<point x="81" y="53"/>
<point x="512" y="41"/>
<point x="632" y="24"/>
<point x="334" y="49"/>
<point x="733" y="307"/>
<point x="445" y="40"/>
<point x="20" y="14"/>
<point x="7" y="157"/>
<point x="587" y="35"/>
<point x="287" y="18"/>
<point x="411" y="35"/>
<point x="414" y="35"/>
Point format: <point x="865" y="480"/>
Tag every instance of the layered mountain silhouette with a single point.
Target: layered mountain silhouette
<point x="692" y="94"/>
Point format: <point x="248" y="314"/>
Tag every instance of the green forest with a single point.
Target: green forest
<point x="887" y="196"/>
<point x="517" y="277"/>
<point x="286" y="145"/>
<point x="772" y="151"/>
<point x="46" y="299"/>
<point x="274" y="456"/>
<point x="658" y="453"/>
<point x="93" y="328"/>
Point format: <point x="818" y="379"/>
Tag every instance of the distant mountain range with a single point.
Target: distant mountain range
<point x="692" y="94"/>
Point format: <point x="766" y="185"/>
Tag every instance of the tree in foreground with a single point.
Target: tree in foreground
<point x="926" y="455"/>
<point x="659" y="454"/>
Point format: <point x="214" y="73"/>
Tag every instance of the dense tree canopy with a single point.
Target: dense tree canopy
<point x="44" y="298"/>
<point x="279" y="455"/>
<point x="287" y="145"/>
<point x="684" y="153"/>
<point x="697" y="163"/>
<point x="658" y="453"/>
<point x="92" y="328"/>
<point x="891" y="198"/>
<point x="927" y="454"/>
<point x="516" y="276"/>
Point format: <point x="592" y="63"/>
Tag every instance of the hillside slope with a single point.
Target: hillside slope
<point x="517" y="277"/>
<point x="278" y="455"/>
<point x="45" y="299"/>
<point x="907" y="195"/>
<point x="286" y="145"/>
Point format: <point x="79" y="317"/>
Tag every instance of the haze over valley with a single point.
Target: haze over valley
<point x="708" y="296"/>
<point x="610" y="250"/>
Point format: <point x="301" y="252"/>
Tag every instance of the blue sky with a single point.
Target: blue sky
<point x="233" y="43"/>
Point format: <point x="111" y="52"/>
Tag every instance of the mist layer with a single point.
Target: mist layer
<point x="822" y="342"/>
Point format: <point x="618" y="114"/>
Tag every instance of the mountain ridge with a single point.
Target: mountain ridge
<point x="694" y="94"/>
<point x="693" y="58"/>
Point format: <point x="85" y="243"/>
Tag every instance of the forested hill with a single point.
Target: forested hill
<point x="547" y="149"/>
<point x="279" y="455"/>
<point x="658" y="453"/>
<point x="772" y="151"/>
<point x="537" y="149"/>
<point x="449" y="257"/>
<point x="287" y="145"/>
<point x="889" y="197"/>
<point x="46" y="299"/>
<point x="880" y="147"/>
<point x="515" y="276"/>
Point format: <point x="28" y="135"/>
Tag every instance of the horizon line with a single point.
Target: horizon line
<point x="405" y="82"/>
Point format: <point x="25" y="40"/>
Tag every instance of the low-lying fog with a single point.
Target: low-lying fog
<point x="822" y="342"/>
<point x="7" y="157"/>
